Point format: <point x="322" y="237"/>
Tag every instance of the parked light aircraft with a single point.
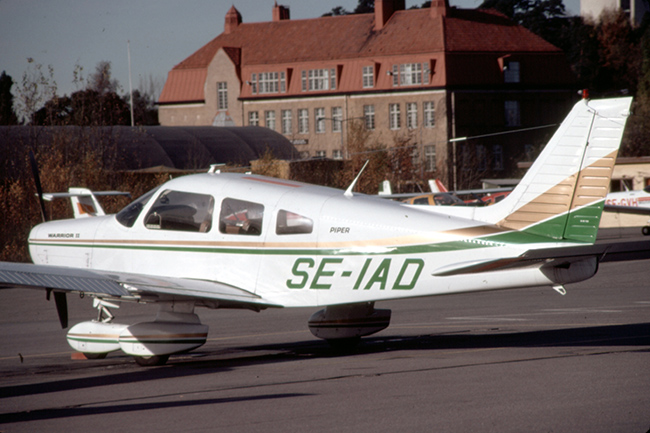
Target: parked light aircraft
<point x="225" y="240"/>
<point x="636" y="202"/>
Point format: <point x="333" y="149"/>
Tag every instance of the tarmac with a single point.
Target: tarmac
<point x="521" y="360"/>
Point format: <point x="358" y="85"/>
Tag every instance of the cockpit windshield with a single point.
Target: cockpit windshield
<point x="130" y="213"/>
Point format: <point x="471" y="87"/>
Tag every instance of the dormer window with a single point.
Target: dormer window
<point x="511" y="72"/>
<point x="318" y="79"/>
<point x="368" y="75"/>
<point x="266" y="83"/>
<point x="410" y="74"/>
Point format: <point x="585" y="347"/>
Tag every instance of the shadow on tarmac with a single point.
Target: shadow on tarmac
<point x="202" y="362"/>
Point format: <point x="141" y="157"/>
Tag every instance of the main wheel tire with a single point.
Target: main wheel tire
<point x="646" y="231"/>
<point x="95" y="355"/>
<point x="151" y="361"/>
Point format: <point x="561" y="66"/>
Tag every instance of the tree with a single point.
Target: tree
<point x="7" y="114"/>
<point x="102" y="81"/>
<point x="35" y="88"/>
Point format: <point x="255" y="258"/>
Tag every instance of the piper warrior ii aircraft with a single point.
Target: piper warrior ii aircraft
<point x="225" y="240"/>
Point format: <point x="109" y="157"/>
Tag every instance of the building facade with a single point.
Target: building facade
<point x="423" y="77"/>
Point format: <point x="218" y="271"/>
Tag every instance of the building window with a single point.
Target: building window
<point x="369" y="116"/>
<point x="411" y="115"/>
<point x="410" y="74"/>
<point x="337" y="119"/>
<point x="318" y="79"/>
<point x="368" y="77"/>
<point x="319" y="120"/>
<point x="337" y="154"/>
<point x="395" y="120"/>
<point x="481" y="156"/>
<point x="303" y="121"/>
<point x="222" y="95"/>
<point x="304" y="81"/>
<point x="497" y="154"/>
<point x="513" y="117"/>
<point x="430" y="157"/>
<point x="429" y="115"/>
<point x="511" y="72"/>
<point x="286" y="122"/>
<point x="269" y="119"/>
<point x="268" y="82"/>
<point x="321" y="154"/>
<point x="253" y="118"/>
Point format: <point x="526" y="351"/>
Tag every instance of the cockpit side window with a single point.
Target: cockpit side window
<point x="130" y="213"/>
<point x="239" y="217"/>
<point x="290" y="223"/>
<point x="181" y="211"/>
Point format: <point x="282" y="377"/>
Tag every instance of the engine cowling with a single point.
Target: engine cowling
<point x="95" y="337"/>
<point x="162" y="338"/>
<point x="142" y="339"/>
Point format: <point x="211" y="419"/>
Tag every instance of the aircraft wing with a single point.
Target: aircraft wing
<point x="124" y="286"/>
<point x="552" y="257"/>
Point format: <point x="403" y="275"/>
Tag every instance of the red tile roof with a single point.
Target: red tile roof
<point x="353" y="36"/>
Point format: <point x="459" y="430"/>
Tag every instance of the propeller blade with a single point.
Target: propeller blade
<point x="37" y="181"/>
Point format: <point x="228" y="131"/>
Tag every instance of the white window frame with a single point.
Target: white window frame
<point x="369" y="117"/>
<point x="429" y="114"/>
<point x="512" y="72"/>
<point x="319" y="120"/>
<point x="368" y="77"/>
<point x="253" y="118"/>
<point x="430" y="157"/>
<point x="411" y="115"/>
<point x="303" y="121"/>
<point x="497" y="154"/>
<point x="337" y="119"/>
<point x="269" y="119"/>
<point x="222" y="95"/>
<point x="286" y="122"/>
<point x="394" y="116"/>
<point x="512" y="113"/>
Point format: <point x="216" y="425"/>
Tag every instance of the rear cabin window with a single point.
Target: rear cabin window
<point x="240" y="217"/>
<point x="290" y="223"/>
<point x="181" y="211"/>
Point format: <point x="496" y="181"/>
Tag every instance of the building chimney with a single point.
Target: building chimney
<point x="280" y="12"/>
<point x="439" y="8"/>
<point x="233" y="19"/>
<point x="384" y="9"/>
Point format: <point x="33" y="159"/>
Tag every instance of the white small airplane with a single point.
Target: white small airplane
<point x="225" y="240"/>
<point x="635" y="202"/>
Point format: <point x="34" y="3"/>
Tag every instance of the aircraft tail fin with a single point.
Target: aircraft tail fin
<point x="84" y="201"/>
<point x="562" y="194"/>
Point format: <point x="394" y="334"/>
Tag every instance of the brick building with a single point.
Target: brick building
<point x="422" y="76"/>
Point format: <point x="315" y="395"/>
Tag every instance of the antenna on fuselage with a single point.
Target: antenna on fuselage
<point x="348" y="192"/>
